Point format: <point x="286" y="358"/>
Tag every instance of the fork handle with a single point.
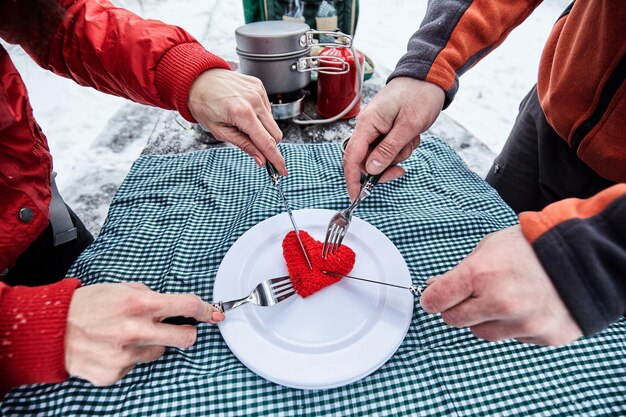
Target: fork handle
<point x="222" y="306"/>
<point x="366" y="190"/>
<point x="373" y="179"/>
<point x="180" y="320"/>
<point x="273" y="173"/>
<point x="225" y="306"/>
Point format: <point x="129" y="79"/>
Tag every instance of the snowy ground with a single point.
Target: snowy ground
<point x="78" y="120"/>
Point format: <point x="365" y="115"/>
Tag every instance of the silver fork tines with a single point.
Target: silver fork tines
<point x="336" y="231"/>
<point x="266" y="293"/>
<point x="339" y="223"/>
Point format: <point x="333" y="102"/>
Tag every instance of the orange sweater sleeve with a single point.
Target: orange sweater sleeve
<point x="33" y="321"/>
<point x="535" y="224"/>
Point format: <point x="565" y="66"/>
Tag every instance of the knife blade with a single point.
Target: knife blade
<point x="273" y="173"/>
<point x="415" y="290"/>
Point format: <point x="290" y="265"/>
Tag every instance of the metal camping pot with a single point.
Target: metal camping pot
<point x="271" y="51"/>
<point x="278" y="53"/>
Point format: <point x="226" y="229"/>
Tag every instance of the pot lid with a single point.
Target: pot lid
<point x="272" y="37"/>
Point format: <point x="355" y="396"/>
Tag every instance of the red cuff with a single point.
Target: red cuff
<point x="33" y="321"/>
<point x="178" y="69"/>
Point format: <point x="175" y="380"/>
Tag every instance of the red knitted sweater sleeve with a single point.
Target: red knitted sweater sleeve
<point x="119" y="53"/>
<point x="32" y="333"/>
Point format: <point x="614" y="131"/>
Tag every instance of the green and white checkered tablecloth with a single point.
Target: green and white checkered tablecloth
<point x="174" y="218"/>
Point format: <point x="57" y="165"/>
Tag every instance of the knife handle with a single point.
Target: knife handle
<point x="271" y="169"/>
<point x="180" y="320"/>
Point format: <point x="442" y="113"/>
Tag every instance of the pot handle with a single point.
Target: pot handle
<point x="343" y="40"/>
<point x="311" y="63"/>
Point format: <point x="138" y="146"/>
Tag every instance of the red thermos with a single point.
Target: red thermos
<point x="335" y="92"/>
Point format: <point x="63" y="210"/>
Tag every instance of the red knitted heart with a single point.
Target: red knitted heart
<point x="305" y="280"/>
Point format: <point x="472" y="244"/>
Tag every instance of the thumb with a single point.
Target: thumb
<point x="447" y="290"/>
<point x="388" y="149"/>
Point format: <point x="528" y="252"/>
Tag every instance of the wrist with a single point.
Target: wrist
<point x="177" y="71"/>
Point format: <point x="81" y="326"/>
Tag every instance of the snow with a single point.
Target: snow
<point x="78" y="121"/>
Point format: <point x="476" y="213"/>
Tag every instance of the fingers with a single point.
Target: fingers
<point x="147" y="354"/>
<point x="262" y="93"/>
<point x="187" y="305"/>
<point x="111" y="327"/>
<point x="236" y="109"/>
<point x="170" y="335"/>
<point x="170" y="305"/>
<point x="392" y="173"/>
<point x="216" y="316"/>
<point x="406" y="152"/>
<point x="447" y="290"/>
<point x="384" y="154"/>
<point x="501" y="291"/>
<point x="239" y="139"/>
<point x="136" y="285"/>
<point x="356" y="152"/>
<point x="353" y="165"/>
<point x="531" y="332"/>
<point x="402" y="110"/>
<point x="245" y="143"/>
<point x="270" y="124"/>
<point x="470" y="312"/>
<point x="262" y="140"/>
<point x="263" y="111"/>
<point x="495" y="330"/>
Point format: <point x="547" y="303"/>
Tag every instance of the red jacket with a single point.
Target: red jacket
<point x="581" y="89"/>
<point x="114" y="51"/>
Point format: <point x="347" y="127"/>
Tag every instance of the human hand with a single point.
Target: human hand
<point x="402" y="110"/>
<point x="236" y="109"/>
<point x="501" y="291"/>
<point x="113" y="327"/>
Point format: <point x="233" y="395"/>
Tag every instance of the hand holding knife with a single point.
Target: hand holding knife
<point x="273" y="173"/>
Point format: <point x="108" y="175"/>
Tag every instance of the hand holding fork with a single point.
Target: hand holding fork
<point x="339" y="223"/>
<point x="267" y="293"/>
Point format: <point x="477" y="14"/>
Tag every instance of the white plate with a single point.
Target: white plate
<point x="332" y="338"/>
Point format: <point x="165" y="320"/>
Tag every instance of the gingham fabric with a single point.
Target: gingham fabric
<point x="174" y="218"/>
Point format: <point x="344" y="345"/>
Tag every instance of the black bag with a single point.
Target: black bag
<point x="347" y="12"/>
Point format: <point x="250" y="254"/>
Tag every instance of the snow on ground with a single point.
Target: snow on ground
<point x="76" y="119"/>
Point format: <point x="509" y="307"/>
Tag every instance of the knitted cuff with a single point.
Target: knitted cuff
<point x="178" y="69"/>
<point x="33" y="321"/>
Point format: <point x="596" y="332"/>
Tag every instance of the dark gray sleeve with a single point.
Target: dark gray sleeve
<point x="476" y="28"/>
<point x="435" y="30"/>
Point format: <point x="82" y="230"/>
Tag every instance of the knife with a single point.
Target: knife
<point x="273" y="173"/>
<point x="415" y="290"/>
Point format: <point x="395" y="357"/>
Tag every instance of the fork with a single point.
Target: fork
<point x="339" y="223"/>
<point x="265" y="294"/>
